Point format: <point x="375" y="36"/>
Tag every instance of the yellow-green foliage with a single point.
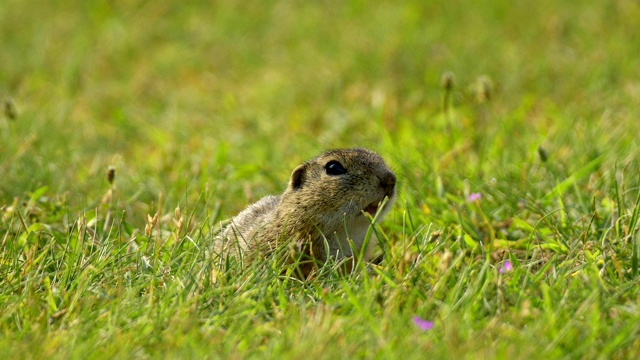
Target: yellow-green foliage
<point x="512" y="126"/>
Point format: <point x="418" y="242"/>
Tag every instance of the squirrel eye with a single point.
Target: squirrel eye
<point x="335" y="168"/>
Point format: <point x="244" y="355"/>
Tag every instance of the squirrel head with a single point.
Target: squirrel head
<point x="341" y="183"/>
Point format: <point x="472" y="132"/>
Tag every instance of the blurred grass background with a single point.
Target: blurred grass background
<point x="221" y="100"/>
<point x="170" y="92"/>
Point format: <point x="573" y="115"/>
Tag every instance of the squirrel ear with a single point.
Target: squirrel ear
<point x="298" y="177"/>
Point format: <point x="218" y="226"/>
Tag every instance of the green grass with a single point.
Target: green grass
<point x="209" y="107"/>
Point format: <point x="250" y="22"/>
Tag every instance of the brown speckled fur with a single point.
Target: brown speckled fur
<point x="318" y="211"/>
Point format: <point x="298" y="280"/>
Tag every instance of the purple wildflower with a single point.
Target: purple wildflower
<point x="423" y="324"/>
<point x="506" y="267"/>
<point x="474" y="197"/>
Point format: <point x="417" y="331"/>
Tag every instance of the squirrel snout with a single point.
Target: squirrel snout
<point x="388" y="182"/>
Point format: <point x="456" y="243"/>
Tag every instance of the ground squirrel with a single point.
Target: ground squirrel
<point x="321" y="213"/>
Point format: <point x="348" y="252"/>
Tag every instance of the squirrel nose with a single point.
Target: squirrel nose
<point x="388" y="182"/>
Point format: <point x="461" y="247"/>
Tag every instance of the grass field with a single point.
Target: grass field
<point x="513" y="128"/>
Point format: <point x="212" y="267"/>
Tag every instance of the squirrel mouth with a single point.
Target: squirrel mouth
<point x="372" y="208"/>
